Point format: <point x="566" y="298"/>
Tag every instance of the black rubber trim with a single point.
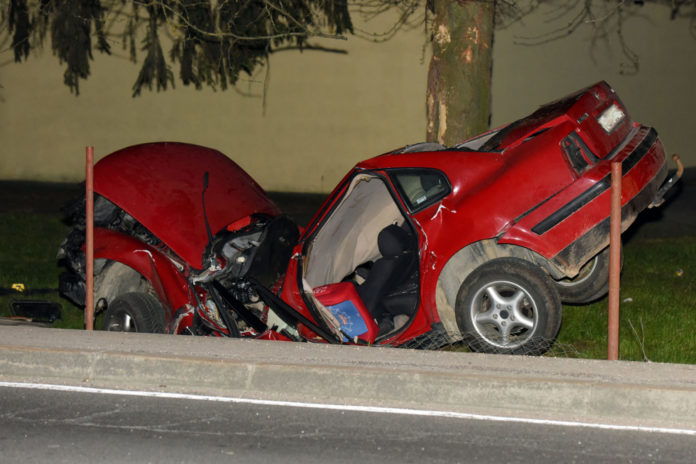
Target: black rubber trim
<point x="413" y="209"/>
<point x="597" y="189"/>
<point x="630" y="210"/>
<point x="569" y="208"/>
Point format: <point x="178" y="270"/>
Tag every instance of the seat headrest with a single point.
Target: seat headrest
<point x="393" y="241"/>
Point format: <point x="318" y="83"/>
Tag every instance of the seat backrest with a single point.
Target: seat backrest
<point x="388" y="272"/>
<point x="393" y="241"/>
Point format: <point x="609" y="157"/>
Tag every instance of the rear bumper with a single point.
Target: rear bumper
<point x="670" y="182"/>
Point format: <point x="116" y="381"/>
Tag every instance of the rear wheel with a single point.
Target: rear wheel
<point x="591" y="283"/>
<point x="135" y="312"/>
<point x="508" y="306"/>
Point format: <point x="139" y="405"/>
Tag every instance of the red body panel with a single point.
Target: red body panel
<point x="161" y="185"/>
<point x="582" y="220"/>
<point x="168" y="281"/>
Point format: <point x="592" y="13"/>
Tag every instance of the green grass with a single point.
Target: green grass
<point x="657" y="312"/>
<point x="28" y="256"/>
<point x="658" y="292"/>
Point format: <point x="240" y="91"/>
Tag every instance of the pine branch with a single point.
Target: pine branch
<point x="154" y="69"/>
<point x="18" y="22"/>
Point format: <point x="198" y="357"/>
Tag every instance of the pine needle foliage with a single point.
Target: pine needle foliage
<point x="212" y="41"/>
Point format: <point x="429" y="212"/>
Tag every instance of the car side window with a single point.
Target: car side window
<point x="420" y="188"/>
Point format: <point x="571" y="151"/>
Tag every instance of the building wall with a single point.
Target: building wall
<point x="324" y="112"/>
<point x="661" y="94"/>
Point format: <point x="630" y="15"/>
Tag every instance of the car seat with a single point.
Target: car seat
<point x="397" y="264"/>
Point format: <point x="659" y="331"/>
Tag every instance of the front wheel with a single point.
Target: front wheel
<point x="508" y="306"/>
<point x="134" y="312"/>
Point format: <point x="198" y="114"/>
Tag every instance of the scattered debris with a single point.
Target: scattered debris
<point x="36" y="310"/>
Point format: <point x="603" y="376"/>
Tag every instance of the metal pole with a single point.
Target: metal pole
<point x="614" y="262"/>
<point x="89" y="240"/>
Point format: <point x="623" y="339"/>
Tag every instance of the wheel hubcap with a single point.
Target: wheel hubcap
<point x="504" y="314"/>
<point x="122" y="323"/>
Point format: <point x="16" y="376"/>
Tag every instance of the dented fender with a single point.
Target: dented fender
<point x="460" y="265"/>
<point x="166" y="279"/>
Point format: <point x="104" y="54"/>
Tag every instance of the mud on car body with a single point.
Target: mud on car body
<point x="423" y="246"/>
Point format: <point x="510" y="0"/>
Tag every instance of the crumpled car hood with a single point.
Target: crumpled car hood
<point x="160" y="185"/>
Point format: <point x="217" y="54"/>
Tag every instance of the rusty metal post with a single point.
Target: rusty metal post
<point x="614" y="262"/>
<point x="89" y="240"/>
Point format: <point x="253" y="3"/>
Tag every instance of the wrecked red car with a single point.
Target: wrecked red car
<point x="423" y="246"/>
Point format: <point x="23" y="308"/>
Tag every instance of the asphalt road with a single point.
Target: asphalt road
<point x="73" y="427"/>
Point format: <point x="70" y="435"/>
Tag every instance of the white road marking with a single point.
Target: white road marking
<point x="345" y="407"/>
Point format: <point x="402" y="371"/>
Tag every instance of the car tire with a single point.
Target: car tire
<point x="134" y="312"/>
<point x="508" y="306"/>
<point x="591" y="283"/>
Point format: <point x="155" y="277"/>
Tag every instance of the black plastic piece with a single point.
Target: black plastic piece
<point x="232" y="329"/>
<point x="73" y="287"/>
<point x="36" y="310"/>
<point x="288" y="313"/>
<point x="239" y="308"/>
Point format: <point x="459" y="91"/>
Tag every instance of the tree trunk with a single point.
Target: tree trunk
<point x="459" y="78"/>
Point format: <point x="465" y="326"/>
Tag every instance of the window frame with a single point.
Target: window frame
<point x="393" y="174"/>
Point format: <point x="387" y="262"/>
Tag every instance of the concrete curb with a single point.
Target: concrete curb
<point x="618" y="393"/>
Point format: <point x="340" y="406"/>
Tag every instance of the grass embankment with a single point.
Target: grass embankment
<point x="658" y="292"/>
<point x="30" y="242"/>
<point x="658" y="307"/>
